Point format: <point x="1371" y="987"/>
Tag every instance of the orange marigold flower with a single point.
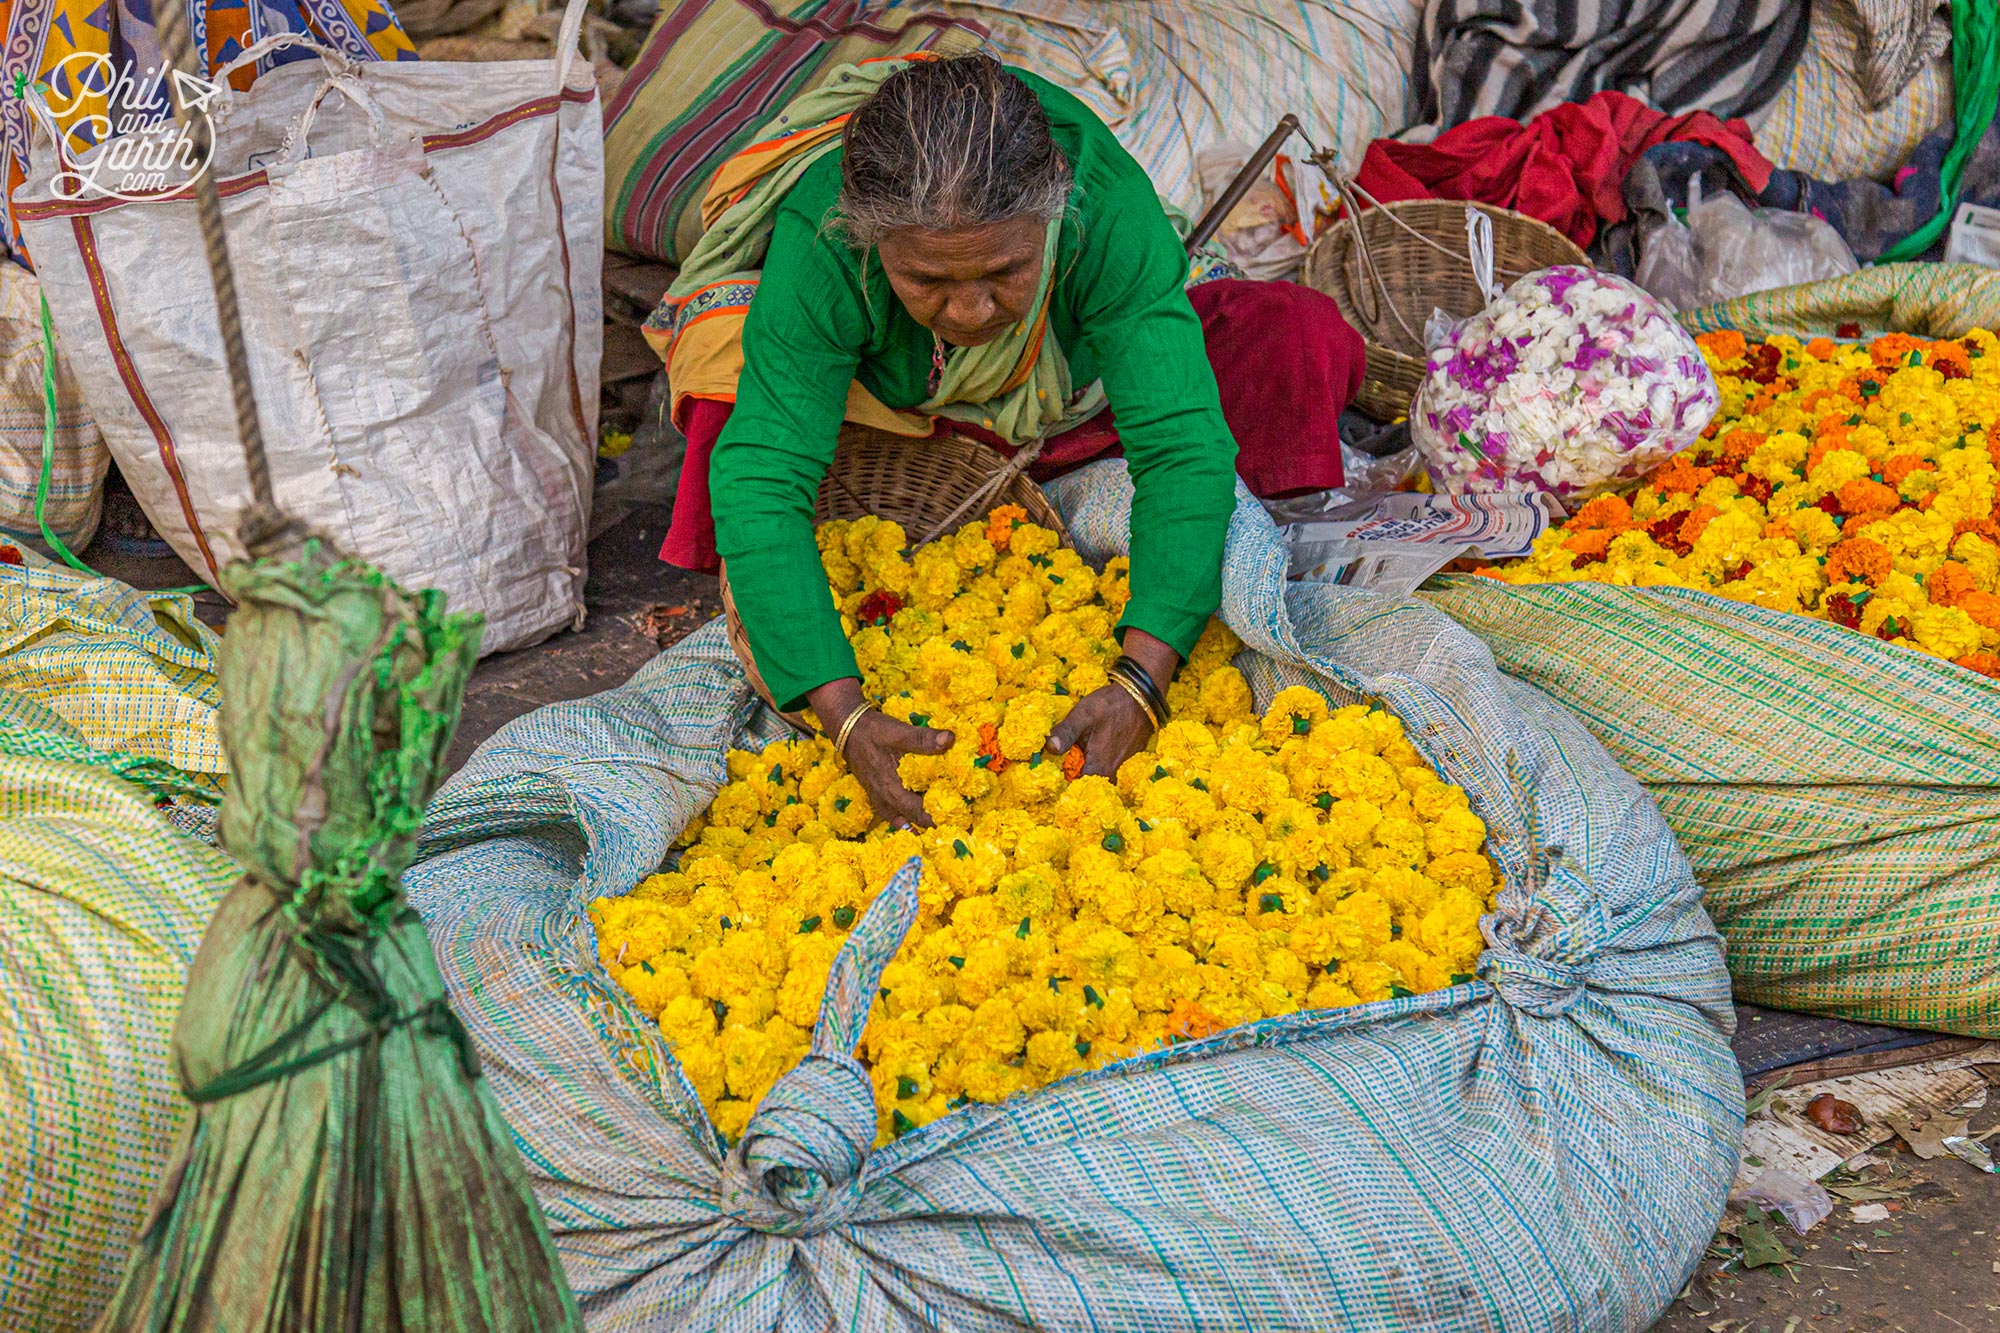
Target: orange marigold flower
<point x="1188" y="1019"/>
<point x="1901" y="466"/>
<point x="1738" y="445"/>
<point x="1949" y="359"/>
<point x="1698" y="519"/>
<point x="1986" y="664"/>
<point x="1950" y="582"/>
<point x="1680" y="477"/>
<point x="1980" y="527"/>
<point x="1819" y="349"/>
<point x="1589" y="542"/>
<point x="1858" y="560"/>
<point x="1073" y="761"/>
<point x="1725" y="345"/>
<point x="989" y="748"/>
<point x="1983" y="607"/>
<point x="1893" y="349"/>
<point x="1606" y="511"/>
<point x="1000" y="526"/>
<point x="1862" y="496"/>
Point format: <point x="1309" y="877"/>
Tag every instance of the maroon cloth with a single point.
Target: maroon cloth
<point x="1285" y="361"/>
<point x="1566" y="166"/>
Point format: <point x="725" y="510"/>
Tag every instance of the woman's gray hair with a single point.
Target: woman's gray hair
<point x="948" y="144"/>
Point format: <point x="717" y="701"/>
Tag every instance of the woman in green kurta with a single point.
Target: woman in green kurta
<point x="977" y="246"/>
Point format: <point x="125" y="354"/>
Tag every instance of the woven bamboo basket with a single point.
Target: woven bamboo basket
<point x="929" y="486"/>
<point x="1401" y="261"/>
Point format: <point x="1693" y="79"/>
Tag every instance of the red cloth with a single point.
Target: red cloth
<point x="1285" y="361"/>
<point x="1566" y="166"/>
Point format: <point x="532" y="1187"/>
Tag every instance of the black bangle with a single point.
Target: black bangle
<point x="1143" y="680"/>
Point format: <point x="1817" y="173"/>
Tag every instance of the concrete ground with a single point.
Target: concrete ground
<point x="1932" y="1266"/>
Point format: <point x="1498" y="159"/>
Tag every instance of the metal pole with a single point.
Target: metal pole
<point x="1211" y="221"/>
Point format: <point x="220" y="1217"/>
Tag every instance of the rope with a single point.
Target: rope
<point x="262" y="527"/>
<point x="1361" y="259"/>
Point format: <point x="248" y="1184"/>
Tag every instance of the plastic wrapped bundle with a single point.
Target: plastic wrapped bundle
<point x="345" y="1166"/>
<point x="1571" y="382"/>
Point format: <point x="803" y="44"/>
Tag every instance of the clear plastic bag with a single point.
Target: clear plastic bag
<point x="1572" y="382"/>
<point x="1727" y="250"/>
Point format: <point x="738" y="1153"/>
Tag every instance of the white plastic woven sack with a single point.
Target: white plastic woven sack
<point x="1545" y="1147"/>
<point x="416" y="250"/>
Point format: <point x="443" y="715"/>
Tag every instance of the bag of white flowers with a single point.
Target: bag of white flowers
<point x="1375" y="996"/>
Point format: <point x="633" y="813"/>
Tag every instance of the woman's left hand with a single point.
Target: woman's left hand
<point x="1108" y="723"/>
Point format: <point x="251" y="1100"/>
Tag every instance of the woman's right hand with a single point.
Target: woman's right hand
<point x="874" y="746"/>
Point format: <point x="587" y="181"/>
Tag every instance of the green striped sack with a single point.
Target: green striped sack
<point x="1839" y="796"/>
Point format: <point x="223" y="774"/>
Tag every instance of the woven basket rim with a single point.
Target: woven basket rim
<point x="975" y="461"/>
<point x="1522" y="245"/>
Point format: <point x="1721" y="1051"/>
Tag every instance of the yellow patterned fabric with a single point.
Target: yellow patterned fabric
<point x="1925" y="300"/>
<point x="1839" y="796"/>
<point x="130" y="671"/>
<point x="104" y="903"/>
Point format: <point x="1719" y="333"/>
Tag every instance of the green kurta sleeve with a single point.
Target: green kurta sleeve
<point x="1134" y="329"/>
<point x="801" y="344"/>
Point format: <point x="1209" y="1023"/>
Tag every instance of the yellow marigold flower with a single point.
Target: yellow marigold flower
<point x="1178" y="880"/>
<point x="1227" y="858"/>
<point x="1293" y="712"/>
<point x="1455" y="830"/>
<point x="1069" y="913"/>
<point x="1225" y="696"/>
<point x="702" y="1063"/>
<point x="653" y="986"/>
<point x="844" y="808"/>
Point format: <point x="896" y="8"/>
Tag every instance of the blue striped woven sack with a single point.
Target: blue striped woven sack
<point x="1544" y="1148"/>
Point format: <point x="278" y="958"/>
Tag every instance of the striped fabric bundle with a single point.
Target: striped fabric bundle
<point x="131" y="671"/>
<point x="1866" y="92"/>
<point x="1545" y="1146"/>
<point x="713" y="71"/>
<point x="1171" y="77"/>
<point x="1475" y="58"/>
<point x="104" y="903"/>
<point x="1927" y="300"/>
<point x="1839" y="796"/>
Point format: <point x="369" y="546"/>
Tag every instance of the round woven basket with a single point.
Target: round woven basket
<point x="929" y="486"/>
<point x="1411" y="259"/>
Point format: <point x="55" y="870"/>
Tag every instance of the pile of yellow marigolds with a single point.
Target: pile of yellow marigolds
<point x="1241" y="868"/>
<point x="1852" y="483"/>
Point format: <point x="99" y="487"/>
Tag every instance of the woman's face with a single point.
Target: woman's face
<point x="970" y="285"/>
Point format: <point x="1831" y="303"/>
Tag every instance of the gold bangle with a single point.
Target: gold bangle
<point x="1137" y="697"/>
<point x="840" y="739"/>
